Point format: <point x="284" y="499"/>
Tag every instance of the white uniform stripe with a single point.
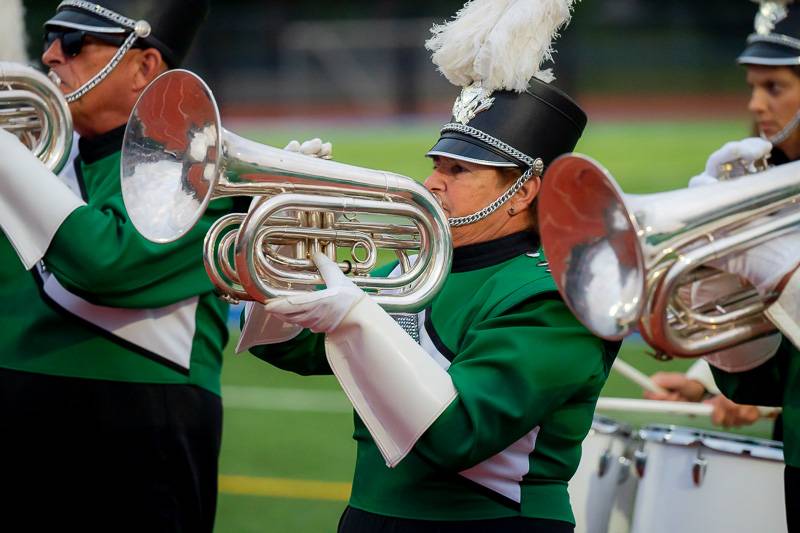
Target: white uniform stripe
<point x="166" y="331"/>
<point x="503" y="472"/>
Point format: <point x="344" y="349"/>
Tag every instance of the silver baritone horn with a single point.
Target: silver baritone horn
<point x="176" y="158"/>
<point x="33" y="109"/>
<point x="624" y="261"/>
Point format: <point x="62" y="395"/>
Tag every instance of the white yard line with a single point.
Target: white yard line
<point x="279" y="399"/>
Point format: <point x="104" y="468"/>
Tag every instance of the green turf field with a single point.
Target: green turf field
<point x="287" y="454"/>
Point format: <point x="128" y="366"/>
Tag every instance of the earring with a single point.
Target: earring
<point x="511" y="210"/>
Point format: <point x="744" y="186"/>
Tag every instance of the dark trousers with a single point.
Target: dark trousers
<point x="791" y="483"/>
<point x="91" y="455"/>
<point x="358" y="521"/>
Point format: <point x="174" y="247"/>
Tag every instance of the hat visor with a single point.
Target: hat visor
<point x="465" y="150"/>
<point x="80" y="20"/>
<point x="769" y="54"/>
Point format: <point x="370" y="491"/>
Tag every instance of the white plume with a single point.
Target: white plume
<point x="12" y="31"/>
<point x="502" y="43"/>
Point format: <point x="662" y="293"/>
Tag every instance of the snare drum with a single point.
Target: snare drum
<point x="604" y="486"/>
<point x="696" y="481"/>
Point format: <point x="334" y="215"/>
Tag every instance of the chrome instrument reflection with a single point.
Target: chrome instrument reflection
<point x="624" y="261"/>
<point x="177" y="157"/>
<point x="33" y="109"/>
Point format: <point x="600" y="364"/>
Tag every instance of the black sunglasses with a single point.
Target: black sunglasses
<point x="72" y="41"/>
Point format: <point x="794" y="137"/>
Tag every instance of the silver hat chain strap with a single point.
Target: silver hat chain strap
<point x="785" y="132"/>
<point x="139" y="30"/>
<point x="535" y="168"/>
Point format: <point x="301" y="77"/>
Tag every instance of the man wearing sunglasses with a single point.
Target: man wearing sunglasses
<point x="110" y="346"/>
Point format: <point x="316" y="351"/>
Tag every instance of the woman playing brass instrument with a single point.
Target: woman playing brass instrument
<point x="470" y="413"/>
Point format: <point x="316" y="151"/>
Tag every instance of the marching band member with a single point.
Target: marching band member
<point x="111" y="346"/>
<point x="767" y="371"/>
<point x="470" y="417"/>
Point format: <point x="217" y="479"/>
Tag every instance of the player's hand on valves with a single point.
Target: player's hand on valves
<point x="746" y="151"/>
<point x="729" y="414"/>
<point x="314" y="148"/>
<point x="679" y="388"/>
<point x="320" y="311"/>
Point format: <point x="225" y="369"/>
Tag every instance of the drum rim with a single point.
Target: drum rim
<point x="729" y="443"/>
<point x="608" y="426"/>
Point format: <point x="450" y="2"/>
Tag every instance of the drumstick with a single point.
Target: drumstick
<point x="674" y="408"/>
<point x="637" y="376"/>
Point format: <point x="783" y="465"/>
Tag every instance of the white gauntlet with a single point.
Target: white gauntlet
<point x="33" y="201"/>
<point x="395" y="386"/>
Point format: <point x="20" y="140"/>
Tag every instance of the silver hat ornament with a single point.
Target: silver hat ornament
<point x="496" y="44"/>
<point x="770" y="13"/>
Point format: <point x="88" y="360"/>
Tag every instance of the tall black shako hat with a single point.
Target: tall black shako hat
<point x="507" y="115"/>
<point x="776" y="39"/>
<point x="172" y="23"/>
<point x="541" y="122"/>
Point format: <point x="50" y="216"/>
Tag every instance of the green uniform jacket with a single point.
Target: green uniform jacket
<point x="107" y="303"/>
<point x="528" y="376"/>
<point x="775" y="383"/>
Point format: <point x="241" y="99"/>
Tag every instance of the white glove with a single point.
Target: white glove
<point x="314" y="148"/>
<point x="747" y="150"/>
<point x="33" y="201"/>
<point x="320" y="311"/>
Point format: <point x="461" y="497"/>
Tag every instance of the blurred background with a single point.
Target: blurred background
<point x="658" y="80"/>
<point x="307" y="58"/>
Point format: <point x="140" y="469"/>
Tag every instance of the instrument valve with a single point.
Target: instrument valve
<point x="349" y="267"/>
<point x="699" y="468"/>
<point x="658" y="355"/>
<point x="228" y="298"/>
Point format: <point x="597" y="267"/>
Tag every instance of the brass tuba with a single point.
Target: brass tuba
<point x="33" y="108"/>
<point x="624" y="261"/>
<point x="177" y="157"/>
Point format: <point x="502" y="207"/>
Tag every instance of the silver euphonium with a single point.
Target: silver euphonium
<point x="33" y="108"/>
<point x="177" y="157"/>
<point x="625" y="261"/>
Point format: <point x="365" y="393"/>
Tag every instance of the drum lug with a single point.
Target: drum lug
<point x="602" y="466"/>
<point x="640" y="460"/>
<point x="699" y="467"/>
<point x="624" y="470"/>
